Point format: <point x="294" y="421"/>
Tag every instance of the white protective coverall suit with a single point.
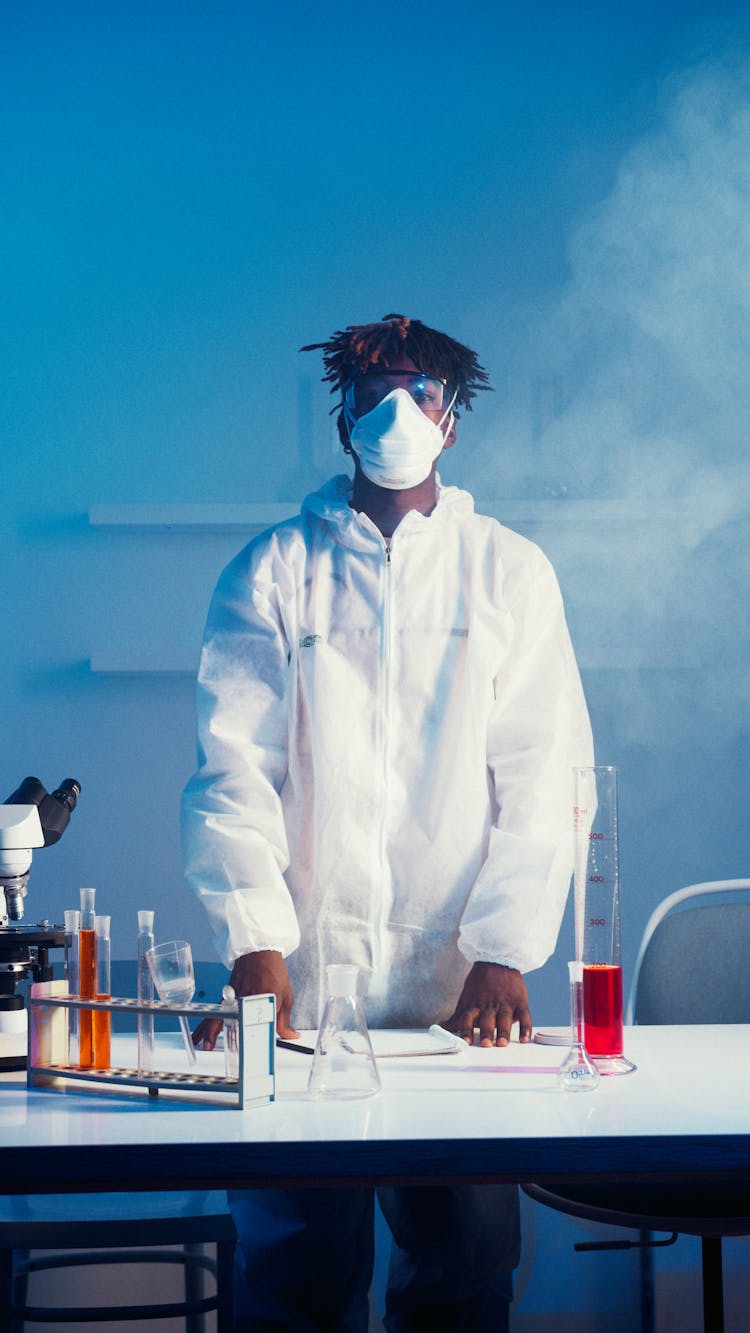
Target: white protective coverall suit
<point x="386" y="736"/>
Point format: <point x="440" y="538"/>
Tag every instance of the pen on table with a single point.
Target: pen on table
<point x="295" y="1046"/>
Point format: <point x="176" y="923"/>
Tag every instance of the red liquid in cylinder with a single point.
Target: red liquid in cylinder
<point x="602" y="1009"/>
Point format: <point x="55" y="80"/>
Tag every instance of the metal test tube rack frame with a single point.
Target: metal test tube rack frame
<point x="255" y="1084"/>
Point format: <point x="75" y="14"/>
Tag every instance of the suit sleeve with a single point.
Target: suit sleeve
<point x="538" y="730"/>
<point x="233" y="832"/>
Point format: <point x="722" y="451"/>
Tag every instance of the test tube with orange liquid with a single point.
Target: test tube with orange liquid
<point x="86" y="977"/>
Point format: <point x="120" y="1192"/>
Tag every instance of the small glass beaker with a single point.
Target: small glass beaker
<point x="343" y="1064"/>
<point x="597" y="914"/>
<point x="171" y="966"/>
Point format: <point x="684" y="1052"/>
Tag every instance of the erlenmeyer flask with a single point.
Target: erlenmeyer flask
<point x="343" y="1064"/>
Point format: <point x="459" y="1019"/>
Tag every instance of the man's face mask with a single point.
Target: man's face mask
<point x="395" y="442"/>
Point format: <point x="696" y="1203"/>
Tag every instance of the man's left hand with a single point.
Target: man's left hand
<point x="493" y="998"/>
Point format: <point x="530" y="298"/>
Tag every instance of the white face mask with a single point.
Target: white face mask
<point x="396" y="444"/>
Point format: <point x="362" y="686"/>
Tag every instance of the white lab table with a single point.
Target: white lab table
<point x="684" y="1113"/>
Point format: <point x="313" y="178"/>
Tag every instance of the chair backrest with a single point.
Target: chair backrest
<point x="692" y="965"/>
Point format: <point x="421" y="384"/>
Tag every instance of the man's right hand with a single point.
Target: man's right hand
<point x="255" y="974"/>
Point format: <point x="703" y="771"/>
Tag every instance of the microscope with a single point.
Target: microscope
<point x="31" y="817"/>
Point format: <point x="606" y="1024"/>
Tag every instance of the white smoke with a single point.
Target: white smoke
<point x="654" y="326"/>
<point x="628" y="400"/>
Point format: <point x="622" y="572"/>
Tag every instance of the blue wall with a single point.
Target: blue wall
<point x="190" y="192"/>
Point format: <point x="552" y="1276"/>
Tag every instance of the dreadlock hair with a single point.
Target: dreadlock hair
<point x="353" y="351"/>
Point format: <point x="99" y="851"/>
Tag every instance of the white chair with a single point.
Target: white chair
<point x="691" y="968"/>
<point x="121" y="1228"/>
<point x="695" y="941"/>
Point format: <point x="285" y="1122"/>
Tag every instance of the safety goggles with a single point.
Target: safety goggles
<point x="429" y="393"/>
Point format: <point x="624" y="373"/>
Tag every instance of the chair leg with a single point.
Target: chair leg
<point x="195" y="1288"/>
<point x="6" y="1286"/>
<point x="19" y="1290"/>
<point x="713" y="1285"/>
<point x="646" y="1272"/>
<point x="225" y="1285"/>
<point x="194" y="1323"/>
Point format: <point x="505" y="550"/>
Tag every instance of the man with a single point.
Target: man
<point x="389" y="710"/>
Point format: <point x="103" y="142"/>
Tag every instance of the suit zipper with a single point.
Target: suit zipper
<point x="385" y="723"/>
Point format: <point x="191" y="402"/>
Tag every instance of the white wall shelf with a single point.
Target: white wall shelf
<point x="571" y="531"/>
<point x="241" y="517"/>
<point x="191" y="517"/>
<point x="140" y="662"/>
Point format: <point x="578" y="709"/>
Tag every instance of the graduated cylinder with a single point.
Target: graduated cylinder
<point x="597" y="914"/>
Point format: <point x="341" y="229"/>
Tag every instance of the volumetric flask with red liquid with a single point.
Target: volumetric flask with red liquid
<point x="597" y="915"/>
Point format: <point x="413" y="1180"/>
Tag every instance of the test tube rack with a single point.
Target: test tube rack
<point x="256" y="1042"/>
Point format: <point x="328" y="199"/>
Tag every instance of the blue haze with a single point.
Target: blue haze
<point x="191" y="192"/>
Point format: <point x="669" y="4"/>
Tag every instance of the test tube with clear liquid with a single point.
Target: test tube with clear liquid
<point x="102" y="1017"/>
<point x="597" y="914"/>
<point x="145" y="991"/>
<point x="231" y="1033"/>
<point x="72" y="926"/>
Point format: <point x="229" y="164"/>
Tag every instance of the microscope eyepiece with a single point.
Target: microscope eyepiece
<point x="30" y="792"/>
<point x="67" y="793"/>
<point x="54" y="809"/>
